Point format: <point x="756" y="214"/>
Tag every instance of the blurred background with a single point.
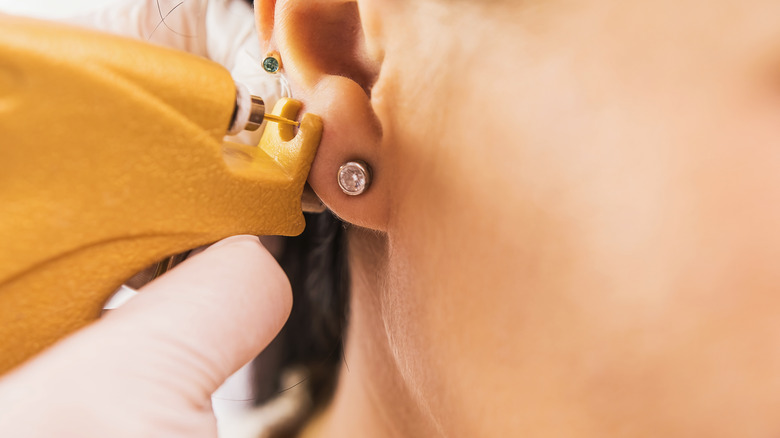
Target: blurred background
<point x="51" y="8"/>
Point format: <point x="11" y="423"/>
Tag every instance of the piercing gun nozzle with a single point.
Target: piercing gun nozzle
<point x="249" y="113"/>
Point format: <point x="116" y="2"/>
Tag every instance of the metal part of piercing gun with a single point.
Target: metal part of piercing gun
<point x="249" y="113"/>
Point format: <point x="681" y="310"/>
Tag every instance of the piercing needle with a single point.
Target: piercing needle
<point x="282" y="120"/>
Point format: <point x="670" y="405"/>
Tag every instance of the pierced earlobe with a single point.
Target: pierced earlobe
<point x="354" y="177"/>
<point x="319" y="47"/>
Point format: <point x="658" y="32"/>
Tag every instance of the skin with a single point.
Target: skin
<point x="572" y="229"/>
<point x="572" y="232"/>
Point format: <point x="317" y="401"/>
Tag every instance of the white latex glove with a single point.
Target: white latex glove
<point x="149" y="368"/>
<point x="220" y="30"/>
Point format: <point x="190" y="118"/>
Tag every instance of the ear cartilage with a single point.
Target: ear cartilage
<point x="272" y="63"/>
<point x="354" y="177"/>
<point x="249" y="113"/>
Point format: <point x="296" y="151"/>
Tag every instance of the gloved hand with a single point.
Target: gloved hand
<point x="149" y="367"/>
<point x="220" y="30"/>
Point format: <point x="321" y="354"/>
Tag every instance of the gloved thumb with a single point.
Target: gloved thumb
<point x="190" y="329"/>
<point x="209" y="316"/>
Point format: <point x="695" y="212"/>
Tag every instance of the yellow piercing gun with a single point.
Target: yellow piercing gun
<point x="112" y="158"/>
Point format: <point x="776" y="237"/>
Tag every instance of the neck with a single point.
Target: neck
<point x="372" y="397"/>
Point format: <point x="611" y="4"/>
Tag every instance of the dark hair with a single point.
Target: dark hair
<point x="312" y="339"/>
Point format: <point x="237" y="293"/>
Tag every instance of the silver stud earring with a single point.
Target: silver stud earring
<point x="354" y="177"/>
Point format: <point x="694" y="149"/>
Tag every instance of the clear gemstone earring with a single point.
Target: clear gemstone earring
<point x="354" y="177"/>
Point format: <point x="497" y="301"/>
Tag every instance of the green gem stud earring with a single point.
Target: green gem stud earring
<point x="272" y="63"/>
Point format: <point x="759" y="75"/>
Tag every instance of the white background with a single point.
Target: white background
<point x="50" y="8"/>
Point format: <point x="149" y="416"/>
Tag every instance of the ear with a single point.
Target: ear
<point x="324" y="57"/>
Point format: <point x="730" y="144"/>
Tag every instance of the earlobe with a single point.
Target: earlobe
<point x="322" y="48"/>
